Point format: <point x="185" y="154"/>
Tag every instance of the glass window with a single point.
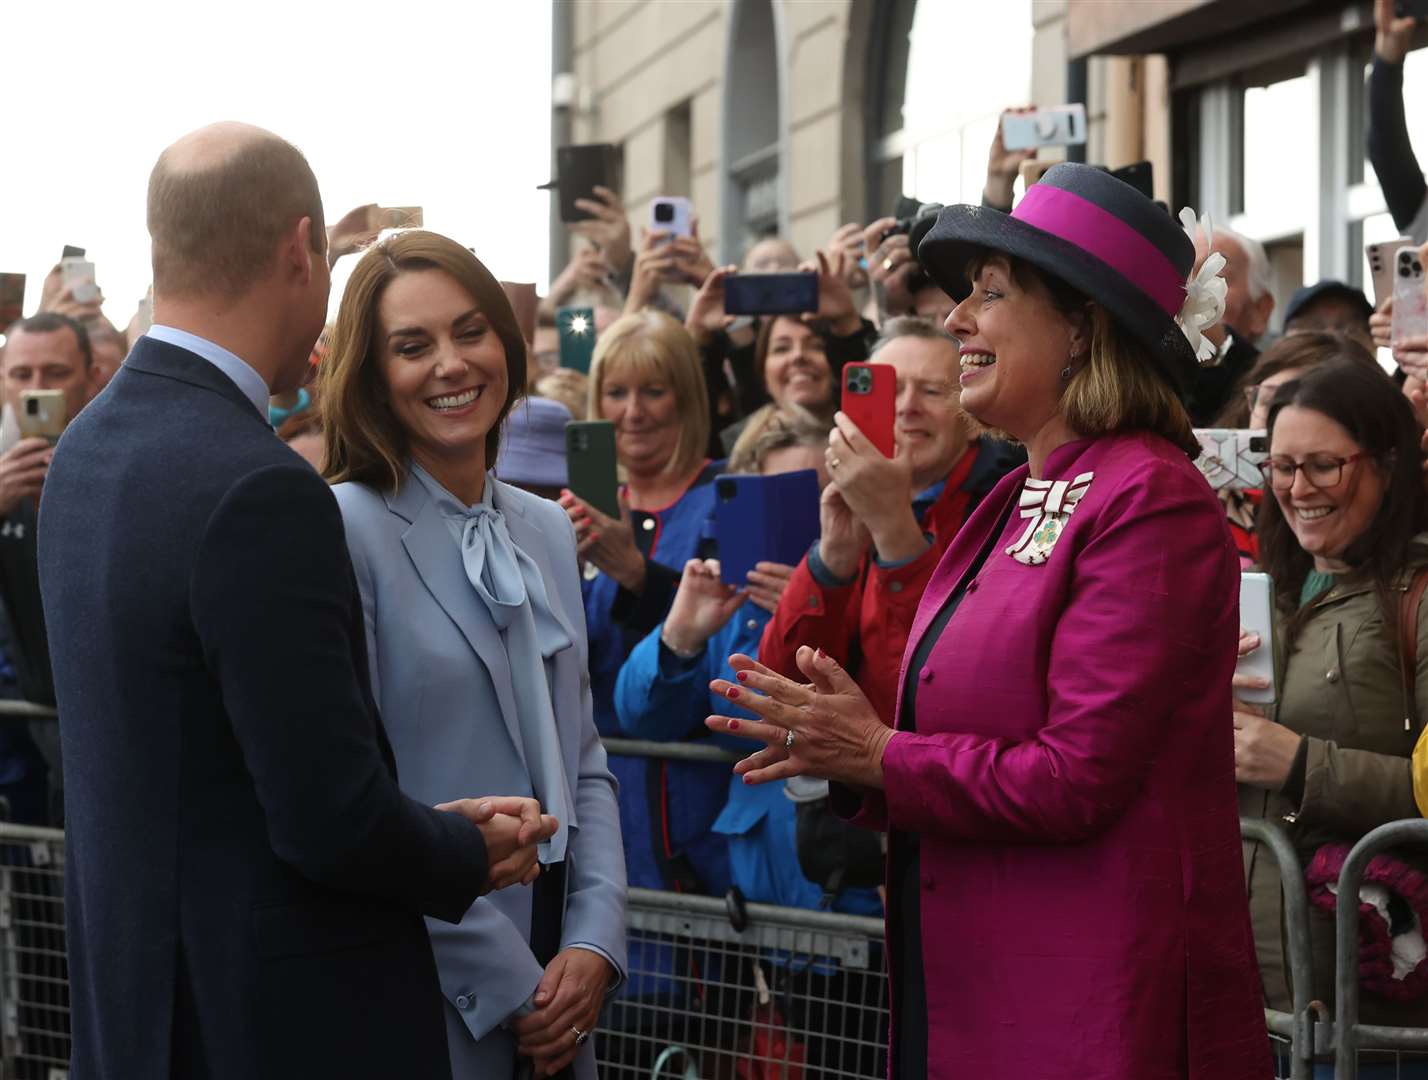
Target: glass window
<point x="1279" y="124"/>
<point x="949" y="114"/>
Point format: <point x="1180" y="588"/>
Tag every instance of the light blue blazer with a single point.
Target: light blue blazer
<point x="443" y="683"/>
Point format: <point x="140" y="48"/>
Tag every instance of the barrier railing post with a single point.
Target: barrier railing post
<point x="1304" y="1027"/>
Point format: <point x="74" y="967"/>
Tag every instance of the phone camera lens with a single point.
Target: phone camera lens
<point x="664" y="213"/>
<point x="32" y="407"/>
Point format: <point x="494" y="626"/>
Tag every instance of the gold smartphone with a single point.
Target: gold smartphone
<point x="42" y="414"/>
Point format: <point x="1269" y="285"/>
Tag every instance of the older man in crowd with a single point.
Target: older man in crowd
<point x="1249" y="305"/>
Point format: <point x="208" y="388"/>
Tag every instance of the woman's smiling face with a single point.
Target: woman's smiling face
<point x="443" y="363"/>
<point x="796" y="367"/>
<point x="1014" y="345"/>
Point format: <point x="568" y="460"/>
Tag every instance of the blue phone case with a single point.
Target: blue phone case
<point x="764" y="519"/>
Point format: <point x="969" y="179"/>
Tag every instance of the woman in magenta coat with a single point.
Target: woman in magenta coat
<point x="1066" y="898"/>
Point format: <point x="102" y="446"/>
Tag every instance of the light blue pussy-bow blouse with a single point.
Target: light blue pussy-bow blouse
<point x="509" y="583"/>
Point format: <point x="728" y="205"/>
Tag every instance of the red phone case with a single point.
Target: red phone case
<point x="875" y="409"/>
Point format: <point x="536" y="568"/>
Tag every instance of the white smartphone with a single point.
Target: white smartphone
<point x="1257" y="616"/>
<point x="1381" y="258"/>
<point x="1064" y="125"/>
<point x="78" y="272"/>
<point x="673" y="214"/>
<point x="1410" y="300"/>
<point x="1230" y="457"/>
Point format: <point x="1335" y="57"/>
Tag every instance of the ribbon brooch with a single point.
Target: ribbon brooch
<point x="1048" y="504"/>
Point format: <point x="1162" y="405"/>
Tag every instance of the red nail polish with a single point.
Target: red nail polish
<point x="733" y="724"/>
<point x="743" y="676"/>
<point x="732" y="692"/>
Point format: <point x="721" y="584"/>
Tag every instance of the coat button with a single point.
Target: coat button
<point x="1332" y="675"/>
<point x="896" y="586"/>
<point x="972" y="585"/>
<point x="813" y="601"/>
<point x="463" y="1001"/>
<point x="752" y="624"/>
<point x="925" y="674"/>
<point x="648" y="525"/>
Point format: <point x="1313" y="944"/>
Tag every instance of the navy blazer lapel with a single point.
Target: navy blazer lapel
<point x="434" y="553"/>
<point x="155" y="357"/>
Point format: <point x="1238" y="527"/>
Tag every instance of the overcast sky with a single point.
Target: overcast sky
<point x="416" y="102"/>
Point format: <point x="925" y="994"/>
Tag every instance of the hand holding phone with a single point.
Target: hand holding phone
<point x="579" y="170"/>
<point x="672" y="215"/>
<point x="764" y="519"/>
<point x="12" y="299"/>
<point x="77" y="274"/>
<point x="591" y="464"/>
<point x="42" y="414"/>
<point x="1257" y="617"/>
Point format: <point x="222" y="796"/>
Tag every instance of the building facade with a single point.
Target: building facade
<point x="795" y="116"/>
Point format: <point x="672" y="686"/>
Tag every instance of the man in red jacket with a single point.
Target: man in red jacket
<point x="886" y="523"/>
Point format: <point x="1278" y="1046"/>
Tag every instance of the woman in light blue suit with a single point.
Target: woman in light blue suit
<point x="476" y="634"/>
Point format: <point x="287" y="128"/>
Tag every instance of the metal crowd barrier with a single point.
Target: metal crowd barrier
<point x="34" y="980"/>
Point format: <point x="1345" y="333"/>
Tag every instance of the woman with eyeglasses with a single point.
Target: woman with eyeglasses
<point x="1343" y="537"/>
<point x="1286" y="359"/>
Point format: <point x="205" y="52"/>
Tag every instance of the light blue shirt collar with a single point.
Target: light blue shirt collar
<point x="244" y="377"/>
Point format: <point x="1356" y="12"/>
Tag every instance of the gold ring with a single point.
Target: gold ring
<point x="833" y="463"/>
<point x="887" y="263"/>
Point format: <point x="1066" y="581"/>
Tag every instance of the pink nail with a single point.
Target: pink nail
<point x="743" y="676"/>
<point x="732" y="692"/>
<point x="733" y="724"/>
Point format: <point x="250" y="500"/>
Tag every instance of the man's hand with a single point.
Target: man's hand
<point x="835" y="301"/>
<point x="511" y="827"/>
<point x="608" y="230"/>
<point x="1394" y="36"/>
<point x="352" y="232"/>
<point x="567" y="1004"/>
<point x="22" y="472"/>
<point x="58" y="297"/>
<point x="889" y="266"/>
<point x="1003" y="165"/>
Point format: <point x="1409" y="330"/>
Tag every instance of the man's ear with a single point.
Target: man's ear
<point x="298" y="252"/>
<point x="1263" y="309"/>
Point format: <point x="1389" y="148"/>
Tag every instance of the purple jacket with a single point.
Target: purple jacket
<point x="1072" y="782"/>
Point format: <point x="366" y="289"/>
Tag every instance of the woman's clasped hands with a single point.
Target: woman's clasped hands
<point x="825" y="728"/>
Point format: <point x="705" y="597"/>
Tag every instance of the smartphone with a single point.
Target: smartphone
<point x="1410" y="301"/>
<point x="71" y="252"/>
<point x="394" y="217"/>
<point x="78" y="273"/>
<point x="12" y="299"/>
<point x="1404" y="9"/>
<point x="1381" y="259"/>
<point x="1257" y="616"/>
<point x="1064" y="125"/>
<point x="673" y="214"/>
<point x="771" y="294"/>
<point x="590" y="464"/>
<point x="1230" y="457"/>
<point x="870" y="401"/>
<point x="764" y="519"/>
<point x="577" y="337"/>
<point x="42" y="414"/>
<point x="579" y="170"/>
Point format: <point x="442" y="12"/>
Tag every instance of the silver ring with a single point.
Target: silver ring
<point x="580" y="1036"/>
<point x="788" y="740"/>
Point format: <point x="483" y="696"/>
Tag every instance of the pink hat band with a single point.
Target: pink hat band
<point x="1100" y="233"/>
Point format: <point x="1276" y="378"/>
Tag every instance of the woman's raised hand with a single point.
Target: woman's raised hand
<point x="702" y="605"/>
<point x="608" y="543"/>
<point x="836" y="733"/>
<point x="877" y="489"/>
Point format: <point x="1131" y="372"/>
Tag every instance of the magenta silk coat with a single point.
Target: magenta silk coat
<point x="1072" y="783"/>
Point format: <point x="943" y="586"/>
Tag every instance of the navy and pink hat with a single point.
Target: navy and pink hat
<point x="1096" y="233"/>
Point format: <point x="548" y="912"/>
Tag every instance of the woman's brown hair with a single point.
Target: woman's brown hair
<point x="1300" y="350"/>
<point x="761" y="355"/>
<point x="363" y="441"/>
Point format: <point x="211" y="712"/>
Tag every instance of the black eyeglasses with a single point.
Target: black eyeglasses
<point x="1321" y="470"/>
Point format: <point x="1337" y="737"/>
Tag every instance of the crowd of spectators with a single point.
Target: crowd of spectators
<point x="1340" y="525"/>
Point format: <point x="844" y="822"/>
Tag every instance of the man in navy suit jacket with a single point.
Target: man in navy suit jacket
<point x="245" y="882"/>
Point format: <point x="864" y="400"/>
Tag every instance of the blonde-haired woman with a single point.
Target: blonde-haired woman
<point x="646" y="379"/>
<point x="476" y="642"/>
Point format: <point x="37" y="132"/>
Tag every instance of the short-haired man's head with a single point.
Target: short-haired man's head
<point x="48" y="351"/>
<point x="219" y="203"/>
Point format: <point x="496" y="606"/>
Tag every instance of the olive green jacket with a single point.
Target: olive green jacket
<point x="1341" y="688"/>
